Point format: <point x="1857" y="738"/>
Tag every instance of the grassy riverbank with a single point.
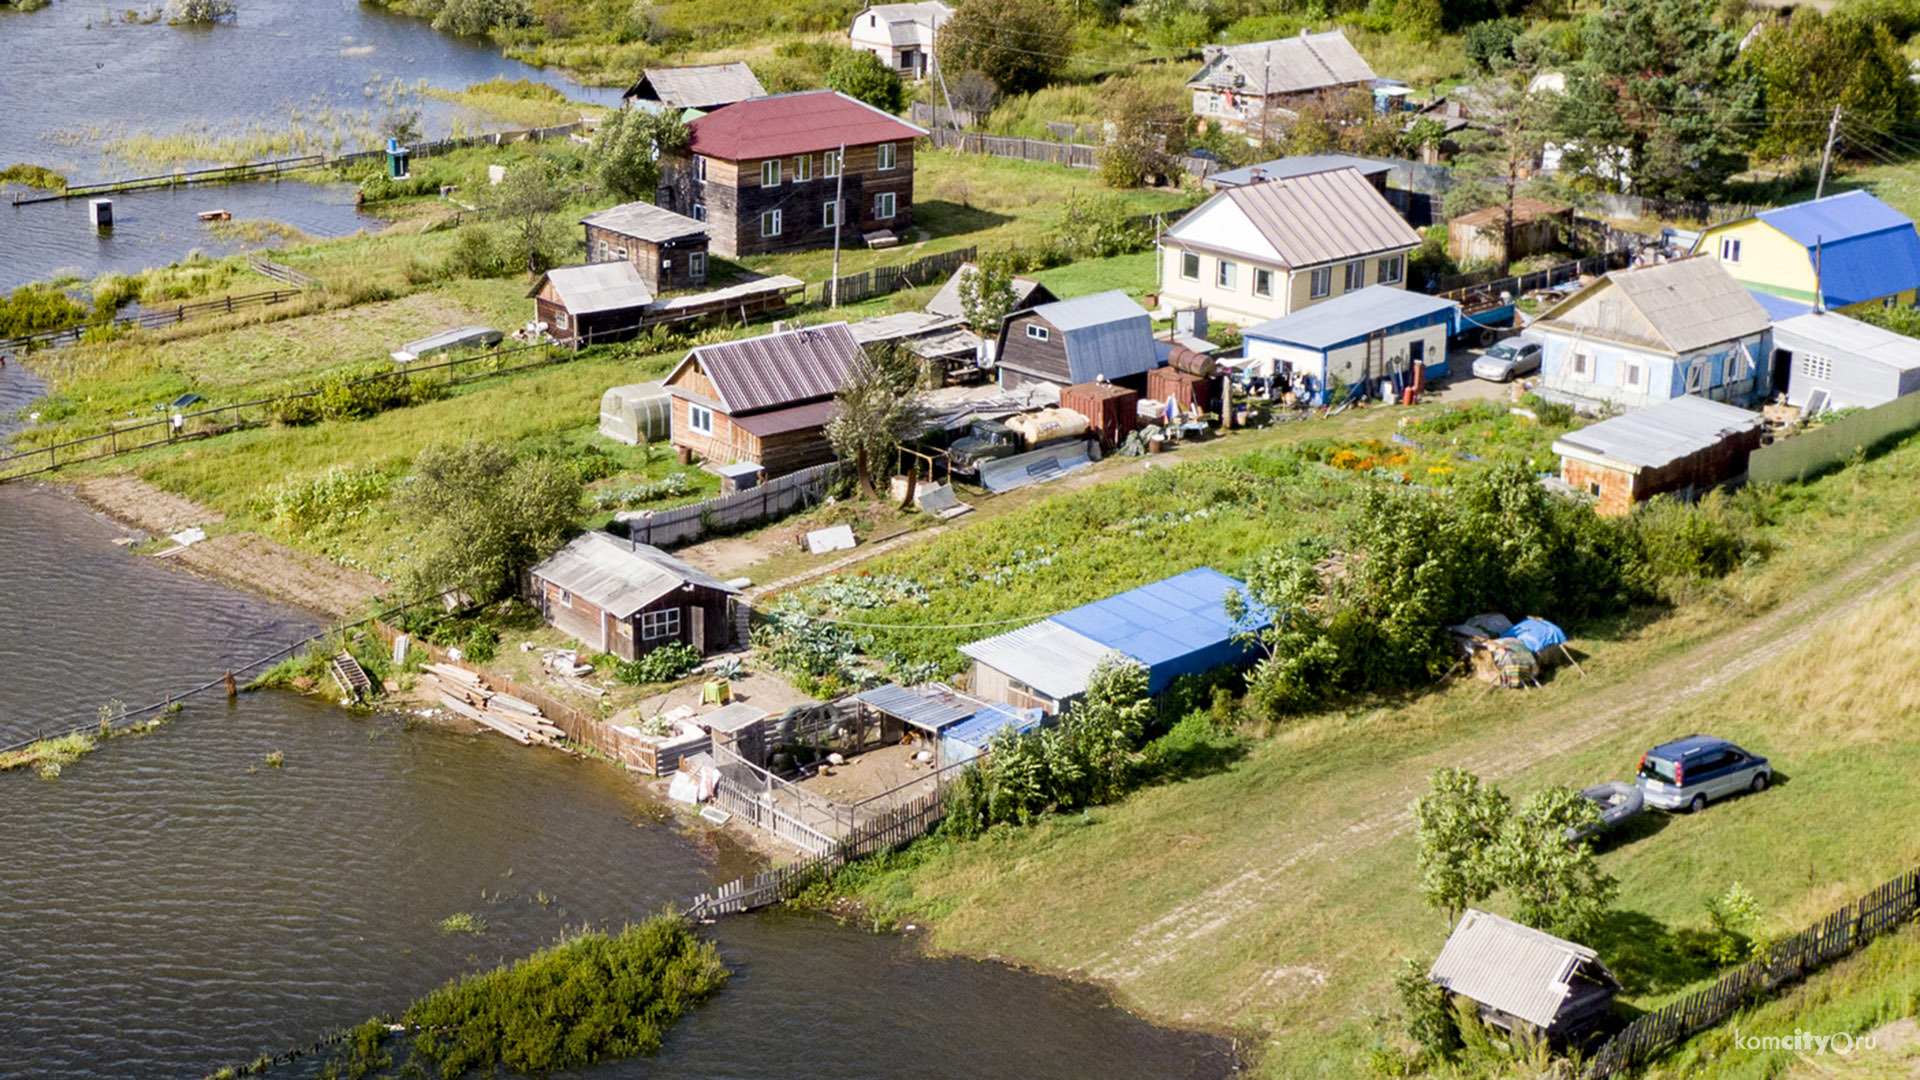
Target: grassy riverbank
<point x="1275" y="893"/>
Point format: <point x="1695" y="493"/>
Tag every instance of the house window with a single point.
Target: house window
<point x="770" y="223"/>
<point x="700" y="169"/>
<point x="883" y="205"/>
<point x="1321" y="283"/>
<point x="770" y="173"/>
<point x="603" y="252"/>
<point x="1816" y="367"/>
<point x="700" y="418"/>
<point x="565" y="598"/>
<point x="1190" y="266"/>
<point x="830" y="163"/>
<point x="655" y="625"/>
<point x="1729" y="250"/>
<point x="1632" y="375"/>
<point x="1696" y="377"/>
<point x="886" y="155"/>
<point x="1390" y="268"/>
<point x="699" y="211"/>
<point x="1227" y="274"/>
<point x="620" y="254"/>
<point x="802" y="168"/>
<point x="697" y="264"/>
<point x="1355" y="277"/>
<point x="561" y="320"/>
<point x="1213" y="104"/>
<point x="830" y="215"/>
<point x="1038" y="332"/>
<point x="1262" y="282"/>
<point x="1580" y="365"/>
<point x="1737" y="365"/>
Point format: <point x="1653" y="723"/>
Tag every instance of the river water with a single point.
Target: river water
<point x="172" y="903"/>
<point x="75" y="75"/>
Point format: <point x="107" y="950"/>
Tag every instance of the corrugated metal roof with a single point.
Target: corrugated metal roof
<point x="1779" y="308"/>
<point x="1299" y="165"/>
<point x="1839" y="217"/>
<point x="1841" y="339"/>
<point x="1516" y="969"/>
<point x="1165" y="620"/>
<point x="1867" y="249"/>
<point x="900" y="324"/>
<point x="645" y="221"/>
<point x="977" y="730"/>
<point x="775" y="370"/>
<point x="1105" y="334"/>
<point x="1052" y="659"/>
<point x="1690" y="303"/>
<point x="799" y="418"/>
<point x="1352" y="317"/>
<point x="1287" y="65"/>
<point x="801" y="123"/>
<point x="618" y="576"/>
<point x="731" y="719"/>
<point x="1026" y="293"/>
<point x="596" y="287"/>
<point x="925" y="707"/>
<point x="1316" y="218"/>
<point x="1660" y="434"/>
<point x="704" y="86"/>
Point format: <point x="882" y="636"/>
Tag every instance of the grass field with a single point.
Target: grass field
<point x="1275" y="895"/>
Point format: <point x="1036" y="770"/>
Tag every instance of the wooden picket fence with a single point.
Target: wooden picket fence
<point x="681" y="524"/>
<point x="882" y="280"/>
<point x="1018" y="149"/>
<point x="1851" y="927"/>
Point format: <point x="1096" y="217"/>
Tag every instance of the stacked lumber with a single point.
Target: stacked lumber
<point x="463" y="693"/>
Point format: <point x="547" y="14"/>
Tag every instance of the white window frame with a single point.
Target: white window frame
<point x="566" y="598"/>
<point x="1038" y="332"/>
<point x="561" y="321"/>
<point x="1816" y="367"/>
<point x="802" y="168"/>
<point x="620" y="254"/>
<point x="699" y="211"/>
<point x="700" y="418"/>
<point x="696" y="264"/>
<point x="889" y="156"/>
<point x="1226" y="274"/>
<point x="1634" y="375"/>
<point x="1730" y="249"/>
<point x="1737" y="365"/>
<point x="1580" y="365"/>
<point x="1392" y="268"/>
<point x="770" y="173"/>
<point x="1320" y="282"/>
<point x="1263" y="282"/>
<point x="655" y="625"/>
<point x="1190" y="266"/>
<point x="830" y="214"/>
<point x="1213" y="104"/>
<point x="1353" y="276"/>
<point x="774" y="219"/>
<point x="604" y="256"/>
<point x="830" y="164"/>
<point x="884" y="205"/>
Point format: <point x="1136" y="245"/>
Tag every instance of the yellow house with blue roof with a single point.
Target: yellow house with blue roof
<point x="1865" y="252"/>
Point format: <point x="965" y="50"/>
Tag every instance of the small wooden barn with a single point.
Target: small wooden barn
<point x="592" y="304"/>
<point x="1685" y="447"/>
<point x="764" y="400"/>
<point x="1105" y="335"/>
<point x="627" y="598"/>
<point x="668" y="249"/>
<point x="1525" y="979"/>
<point x="1537" y="229"/>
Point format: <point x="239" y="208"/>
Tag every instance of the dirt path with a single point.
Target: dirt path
<point x="245" y="559"/>
<point x="1705" y="667"/>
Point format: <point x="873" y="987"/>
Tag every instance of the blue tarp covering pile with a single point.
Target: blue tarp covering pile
<point x="1537" y="634"/>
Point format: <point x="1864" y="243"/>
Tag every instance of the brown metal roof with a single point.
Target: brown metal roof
<point x="1525" y="208"/>
<point x="772" y="371"/>
<point x="800" y="123"/>
<point x="780" y="421"/>
<point x="1320" y="217"/>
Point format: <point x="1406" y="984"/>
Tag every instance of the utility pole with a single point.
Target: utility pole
<point x="1826" y="156"/>
<point x="1266" y="88"/>
<point x="940" y="76"/>
<point x="839" y="211"/>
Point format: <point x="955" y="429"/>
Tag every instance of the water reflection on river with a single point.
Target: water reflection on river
<point x="172" y="903"/>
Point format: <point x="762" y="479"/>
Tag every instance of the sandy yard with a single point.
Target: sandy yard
<point x="872" y="773"/>
<point x="758" y="688"/>
<point x="131" y="500"/>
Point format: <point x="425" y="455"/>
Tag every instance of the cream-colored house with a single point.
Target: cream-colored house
<point x="1261" y="251"/>
<point x="901" y="35"/>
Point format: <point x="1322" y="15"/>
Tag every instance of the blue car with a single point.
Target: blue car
<point x="1688" y="773"/>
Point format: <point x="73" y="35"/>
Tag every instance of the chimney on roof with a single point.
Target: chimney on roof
<point x="1208" y="53"/>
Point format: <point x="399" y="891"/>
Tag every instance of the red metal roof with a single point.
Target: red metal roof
<point x="778" y="370"/>
<point x="801" y="123"/>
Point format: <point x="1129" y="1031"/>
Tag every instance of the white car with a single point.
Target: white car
<point x="1509" y="359"/>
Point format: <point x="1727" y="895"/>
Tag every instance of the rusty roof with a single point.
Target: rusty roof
<point x="1312" y="219"/>
<point x="773" y="371"/>
<point x="800" y="123"/>
<point x="1525" y="208"/>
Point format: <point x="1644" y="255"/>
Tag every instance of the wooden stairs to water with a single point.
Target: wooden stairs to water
<point x="351" y="677"/>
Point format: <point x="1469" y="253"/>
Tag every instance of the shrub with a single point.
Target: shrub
<point x="325" y="502"/>
<point x="1102" y="226"/>
<point x="1490" y="43"/>
<point x="664" y="664"/>
<point x="199" y="11"/>
<point x="482" y="645"/>
<point x="476" y="17"/>
<point x="1692" y="543"/>
<point x="863" y="76"/>
<point x="1429" y="1017"/>
<point x="477" y="253"/>
<point x="31" y="309"/>
<point x="486" y="516"/>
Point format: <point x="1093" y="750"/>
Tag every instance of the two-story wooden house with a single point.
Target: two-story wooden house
<point x="792" y="171"/>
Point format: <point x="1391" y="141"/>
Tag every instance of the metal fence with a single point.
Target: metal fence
<point x="1810" y="453"/>
<point x="152" y="319"/>
<point x="1851" y="927"/>
<point x="1458" y="286"/>
<point x="882" y="280"/>
<point x="681" y="524"/>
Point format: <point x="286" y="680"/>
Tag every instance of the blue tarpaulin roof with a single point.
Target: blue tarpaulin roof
<point x="1175" y="626"/>
<point x="1867" y="248"/>
<point x="1779" y="308"/>
<point x="988" y="722"/>
<point x="1537" y="634"/>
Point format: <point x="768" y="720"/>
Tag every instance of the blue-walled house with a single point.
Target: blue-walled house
<point x="1641" y="336"/>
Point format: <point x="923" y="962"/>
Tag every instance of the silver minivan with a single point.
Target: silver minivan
<point x="1688" y="773"/>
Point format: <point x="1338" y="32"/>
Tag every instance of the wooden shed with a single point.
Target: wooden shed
<point x="1537" y="229"/>
<point x="764" y="400"/>
<point x="1685" y="446"/>
<point x="1110" y="410"/>
<point x="1522" y="979"/>
<point x="626" y="598"/>
<point x="592" y="304"/>
<point x="668" y="249"/>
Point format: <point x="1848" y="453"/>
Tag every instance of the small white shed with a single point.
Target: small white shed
<point x="1830" y="361"/>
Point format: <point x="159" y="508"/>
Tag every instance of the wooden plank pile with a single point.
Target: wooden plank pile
<point x="462" y="692"/>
